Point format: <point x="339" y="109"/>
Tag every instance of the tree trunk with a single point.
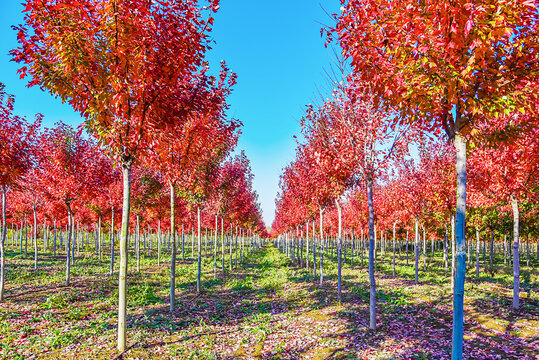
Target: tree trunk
<point x="111" y="237"/>
<point x="314" y="248"/>
<point x="478" y="245"/>
<point x="173" y="245"/>
<point x="183" y="244"/>
<point x="416" y="250"/>
<point x="2" y="244"/>
<point x="236" y="248"/>
<point x="25" y="236"/>
<point x="35" y="236"/>
<point x="158" y="239"/>
<point x="516" y="254"/>
<point x="424" y="248"/>
<point x="321" y="246"/>
<point x="446" y="260"/>
<point x="372" y="281"/>
<point x="339" y="252"/>
<point x="54" y="240"/>
<point x="452" y="253"/>
<point x="407" y="242"/>
<point x="230" y="247"/>
<point x="68" y="242"/>
<point x="122" y="281"/>
<point x="460" y="270"/>
<point x="222" y="245"/>
<point x="394" y="225"/>
<point x="137" y="243"/>
<point x="491" y="250"/>
<point x="307" y="250"/>
<point x="199" y="261"/>
<point x="215" y="249"/>
<point x="99" y="238"/>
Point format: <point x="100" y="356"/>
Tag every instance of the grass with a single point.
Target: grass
<point x="267" y="307"/>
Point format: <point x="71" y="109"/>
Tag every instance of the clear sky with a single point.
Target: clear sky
<point x="277" y="51"/>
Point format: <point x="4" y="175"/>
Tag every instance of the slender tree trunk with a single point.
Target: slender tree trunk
<point x="68" y="242"/>
<point x="314" y="248"/>
<point x="222" y="245"/>
<point x="122" y="281"/>
<point x="137" y="243"/>
<point x="446" y="255"/>
<point x="453" y="253"/>
<point x="372" y="281"/>
<point x="73" y="239"/>
<point x="99" y="238"/>
<point x="25" y="236"/>
<point x="236" y="248"/>
<point x="491" y="250"/>
<point x="183" y="243"/>
<point x="54" y="240"/>
<point x="230" y="247"/>
<point x="407" y="242"/>
<point x="416" y="250"/>
<point x="159" y="242"/>
<point x="307" y="250"/>
<point x="173" y="245"/>
<point x="516" y="254"/>
<point x="35" y="236"/>
<point x="424" y="248"/>
<point x="2" y="244"/>
<point x="199" y="262"/>
<point x="339" y="251"/>
<point x="537" y="246"/>
<point x="111" y="237"/>
<point x="527" y="249"/>
<point x="460" y="270"/>
<point x="215" y="249"/>
<point x="478" y="245"/>
<point x="394" y="225"/>
<point x="321" y="247"/>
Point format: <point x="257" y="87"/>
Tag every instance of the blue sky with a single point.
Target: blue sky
<point x="276" y="49"/>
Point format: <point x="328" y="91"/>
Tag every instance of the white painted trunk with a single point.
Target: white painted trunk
<point x="122" y="280"/>
<point x="516" y="254"/>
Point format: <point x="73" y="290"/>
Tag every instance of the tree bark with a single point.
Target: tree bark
<point x="516" y="254"/>
<point x="215" y="249"/>
<point x="68" y="242"/>
<point x="111" y="237"/>
<point x="446" y="260"/>
<point x="424" y="248"/>
<point x="339" y="251"/>
<point x="137" y="243"/>
<point x="35" y="236"/>
<point x="2" y="244"/>
<point x="460" y="270"/>
<point x="372" y="281"/>
<point x="222" y="245"/>
<point x="122" y="281"/>
<point x="478" y="245"/>
<point x="416" y="250"/>
<point x="314" y="248"/>
<point x="99" y="237"/>
<point x="199" y="261"/>
<point x="321" y="246"/>
<point x="453" y="253"/>
<point x="159" y="242"/>
<point x="491" y="250"/>
<point x="394" y="225"/>
<point x="407" y="242"/>
<point x="173" y="245"/>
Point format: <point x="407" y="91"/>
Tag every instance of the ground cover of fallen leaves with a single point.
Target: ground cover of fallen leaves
<point x="265" y="308"/>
